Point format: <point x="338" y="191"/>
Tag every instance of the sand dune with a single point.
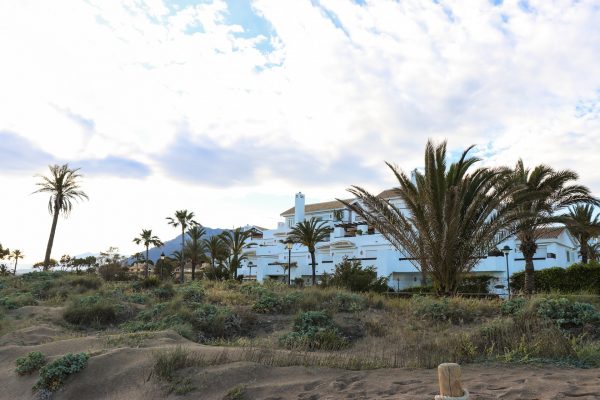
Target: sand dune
<point x="124" y="372"/>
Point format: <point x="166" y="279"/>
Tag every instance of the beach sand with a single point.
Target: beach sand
<point x="122" y="369"/>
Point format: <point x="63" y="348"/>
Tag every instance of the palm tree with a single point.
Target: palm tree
<point x="309" y="233"/>
<point x="63" y="187"/>
<point x="583" y="225"/>
<point x="545" y="193"/>
<point x="216" y="249"/>
<point x="16" y="255"/>
<point x="594" y="251"/>
<point x="194" y="247"/>
<point x="235" y="243"/>
<point x="3" y="252"/>
<point x="452" y="215"/>
<point x="147" y="239"/>
<point x="185" y="219"/>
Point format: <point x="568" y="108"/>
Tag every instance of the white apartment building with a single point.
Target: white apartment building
<point x="352" y="238"/>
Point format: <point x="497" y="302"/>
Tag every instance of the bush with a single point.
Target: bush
<point x="476" y="283"/>
<point x="216" y="322"/>
<point x="164" y="292"/>
<point x="193" y="293"/>
<point x="113" y="272"/>
<point x="53" y="375"/>
<point x="567" y="314"/>
<point x="30" y="363"/>
<point x="91" y="311"/>
<point x="150" y="282"/>
<point x="576" y="278"/>
<point x="314" y="330"/>
<point x="87" y="282"/>
<point x="351" y="275"/>
<point x="267" y="302"/>
<point x="513" y="306"/>
<point x="17" y="300"/>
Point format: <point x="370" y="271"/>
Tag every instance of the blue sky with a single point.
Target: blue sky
<point x="229" y="107"/>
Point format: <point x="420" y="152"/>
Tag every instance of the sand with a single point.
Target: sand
<point x="121" y="369"/>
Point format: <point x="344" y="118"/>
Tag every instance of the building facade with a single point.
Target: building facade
<point x="352" y="238"/>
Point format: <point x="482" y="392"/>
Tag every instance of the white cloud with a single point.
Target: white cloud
<point x="342" y="84"/>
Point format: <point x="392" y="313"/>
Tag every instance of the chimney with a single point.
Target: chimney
<point x="299" y="208"/>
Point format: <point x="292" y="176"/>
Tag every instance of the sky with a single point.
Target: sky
<point x="228" y="108"/>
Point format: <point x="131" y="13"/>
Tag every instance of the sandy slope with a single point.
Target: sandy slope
<point x="121" y="370"/>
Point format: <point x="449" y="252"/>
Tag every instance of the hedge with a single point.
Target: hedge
<point x="576" y="278"/>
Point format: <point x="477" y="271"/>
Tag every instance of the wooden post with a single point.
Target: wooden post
<point x="450" y="384"/>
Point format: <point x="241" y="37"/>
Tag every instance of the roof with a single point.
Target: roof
<point x="310" y="208"/>
<point x="388" y="193"/>
<point x="551" y="233"/>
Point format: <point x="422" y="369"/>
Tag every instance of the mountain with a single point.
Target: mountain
<point x="174" y="244"/>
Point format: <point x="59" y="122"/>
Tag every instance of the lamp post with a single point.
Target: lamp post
<point x="288" y="246"/>
<point x="162" y="265"/>
<point x="506" y="250"/>
<point x="250" y="265"/>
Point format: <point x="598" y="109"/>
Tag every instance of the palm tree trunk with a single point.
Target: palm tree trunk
<point x="146" y="268"/>
<point x="16" y="261"/>
<point x="584" y="250"/>
<point x="314" y="268"/>
<point x="193" y="269"/>
<point x="528" y="247"/>
<point x="51" y="238"/>
<point x="181" y="274"/>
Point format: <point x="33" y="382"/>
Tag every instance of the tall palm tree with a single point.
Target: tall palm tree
<point x="194" y="247"/>
<point x="63" y="186"/>
<point x="147" y="239"/>
<point x="236" y="242"/>
<point x="216" y="249"/>
<point x="185" y="219"/>
<point x="452" y="215"/>
<point x="309" y="233"/>
<point x="16" y="255"/>
<point x="3" y="252"/>
<point x="582" y="224"/>
<point x="545" y="193"/>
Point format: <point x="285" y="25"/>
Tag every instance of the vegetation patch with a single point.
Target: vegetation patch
<point x="30" y="363"/>
<point x="54" y="375"/>
<point x="314" y="330"/>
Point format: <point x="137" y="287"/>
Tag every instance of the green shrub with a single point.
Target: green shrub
<point x="216" y="322"/>
<point x="150" y="282"/>
<point x="513" y="306"/>
<point x="314" y="330"/>
<point x="17" y="300"/>
<point x="268" y="303"/>
<point x="193" y="293"/>
<point x="351" y="275"/>
<point x="53" y="375"/>
<point x="576" y="278"/>
<point x="30" y="363"/>
<point x="476" y="283"/>
<point x="137" y="298"/>
<point x="91" y="311"/>
<point x="88" y="282"/>
<point x="348" y="302"/>
<point x="567" y="314"/>
<point x="164" y="292"/>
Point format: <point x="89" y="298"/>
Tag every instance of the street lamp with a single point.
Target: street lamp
<point x="288" y="245"/>
<point x="250" y="265"/>
<point x="162" y="264"/>
<point x="506" y="250"/>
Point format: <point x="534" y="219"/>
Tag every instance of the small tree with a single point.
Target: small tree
<point x="183" y="219"/>
<point x="309" y="233"/>
<point x="147" y="239"/>
<point x="236" y="242"/>
<point x="16" y="255"/>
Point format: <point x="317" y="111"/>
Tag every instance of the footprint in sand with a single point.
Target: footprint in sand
<point x="408" y="382"/>
<point x="311" y="385"/>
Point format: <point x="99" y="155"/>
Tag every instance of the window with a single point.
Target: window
<point x="568" y="255"/>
